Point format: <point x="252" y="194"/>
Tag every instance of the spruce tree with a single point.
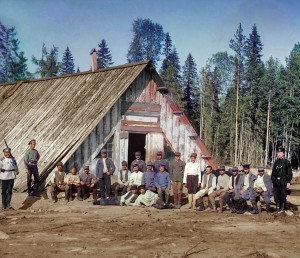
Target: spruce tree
<point x="104" y="58"/>
<point x="67" y="64"/>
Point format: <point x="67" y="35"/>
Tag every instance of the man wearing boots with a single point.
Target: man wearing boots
<point x="244" y="189"/>
<point x="192" y="179"/>
<point x="281" y="179"/>
<point x="208" y="186"/>
<point x="8" y="172"/>
<point x="177" y="167"/>
<point x="58" y="183"/>
<point x="230" y="194"/>
<point x="222" y="187"/>
<point x="123" y="179"/>
<point x="105" y="168"/>
<point x="88" y="183"/>
<point x="163" y="184"/>
<point x="73" y="182"/>
<point x="148" y="177"/>
<point x="31" y="158"/>
<point x="262" y="187"/>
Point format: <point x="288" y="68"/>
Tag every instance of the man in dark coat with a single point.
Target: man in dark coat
<point x="160" y="161"/>
<point x="105" y="167"/>
<point x="281" y="179"/>
<point x="262" y="187"/>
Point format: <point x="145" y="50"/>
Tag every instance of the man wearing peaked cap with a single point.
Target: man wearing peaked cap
<point x="262" y="187"/>
<point x="31" y="158"/>
<point x="230" y="194"/>
<point x="105" y="168"/>
<point x="141" y="163"/>
<point x="281" y="178"/>
<point x="58" y="183"/>
<point x="177" y="167"/>
<point x="88" y="183"/>
<point x="123" y="179"/>
<point x="244" y="189"/>
<point x="148" y="177"/>
<point x="129" y="198"/>
<point x="159" y="160"/>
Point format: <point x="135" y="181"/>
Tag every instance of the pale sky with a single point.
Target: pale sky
<point x="199" y="27"/>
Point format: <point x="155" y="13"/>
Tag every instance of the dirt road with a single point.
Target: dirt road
<point x="80" y="229"/>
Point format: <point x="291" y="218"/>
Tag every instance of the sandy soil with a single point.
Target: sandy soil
<point x="79" y="229"/>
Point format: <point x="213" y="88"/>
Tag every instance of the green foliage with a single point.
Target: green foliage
<point x="47" y="66"/>
<point x="67" y="64"/>
<point x="104" y="58"/>
<point x="147" y="41"/>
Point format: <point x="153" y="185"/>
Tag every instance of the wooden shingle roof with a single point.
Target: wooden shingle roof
<point x="59" y="112"/>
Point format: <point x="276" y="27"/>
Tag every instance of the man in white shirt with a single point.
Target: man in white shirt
<point x="262" y="187"/>
<point x="8" y="171"/>
<point x="208" y="186"/>
<point x="136" y="176"/>
<point x="192" y="179"/>
<point x="123" y="179"/>
<point x="58" y="183"/>
<point x="146" y="198"/>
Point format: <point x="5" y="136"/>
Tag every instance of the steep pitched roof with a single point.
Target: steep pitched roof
<point x="60" y="112"/>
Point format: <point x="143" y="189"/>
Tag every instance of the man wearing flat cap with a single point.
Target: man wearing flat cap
<point x="159" y="160"/>
<point x="123" y="179"/>
<point x="88" y="183"/>
<point x="130" y="197"/>
<point x="262" y="187"/>
<point x="105" y="167"/>
<point x="8" y="171"/>
<point x="244" y="189"/>
<point x="31" y="158"/>
<point x="136" y="176"/>
<point x="163" y="184"/>
<point x="222" y="187"/>
<point x="141" y="163"/>
<point x="281" y="178"/>
<point x="230" y="194"/>
<point x="148" y="177"/>
<point x="192" y="179"/>
<point x="58" y="183"/>
<point x="177" y="167"/>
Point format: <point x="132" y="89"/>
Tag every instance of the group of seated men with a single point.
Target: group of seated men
<point x="150" y="184"/>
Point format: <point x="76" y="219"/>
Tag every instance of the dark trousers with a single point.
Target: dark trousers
<point x="104" y="185"/>
<point x="7" y="186"/>
<point x="33" y="171"/>
<point x="229" y="199"/>
<point x="87" y="189"/>
<point x="279" y="193"/>
<point x="192" y="184"/>
<point x="118" y="188"/>
<point x="72" y="189"/>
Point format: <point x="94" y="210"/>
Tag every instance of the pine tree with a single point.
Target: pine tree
<point x="147" y="41"/>
<point x="168" y="46"/>
<point x="190" y="84"/>
<point x="48" y="66"/>
<point x="13" y="65"/>
<point x="104" y="58"/>
<point x="67" y="64"/>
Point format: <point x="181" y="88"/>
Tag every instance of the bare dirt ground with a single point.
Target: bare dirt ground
<point x="40" y="228"/>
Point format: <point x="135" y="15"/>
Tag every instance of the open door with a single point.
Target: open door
<point x="137" y="142"/>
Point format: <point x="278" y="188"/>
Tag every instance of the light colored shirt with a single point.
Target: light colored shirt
<point x="230" y="182"/>
<point x="72" y="179"/>
<point x="260" y="184"/>
<point x="192" y="168"/>
<point x="148" y="199"/>
<point x="59" y="173"/>
<point x="10" y="168"/>
<point x="126" y="199"/>
<point x="223" y="182"/>
<point x="124" y="182"/>
<point x="135" y="178"/>
<point x="104" y="165"/>
<point x="246" y="181"/>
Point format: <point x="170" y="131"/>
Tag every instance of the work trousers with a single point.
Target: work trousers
<point x="104" y="185"/>
<point x="192" y="184"/>
<point x="33" y="171"/>
<point x="177" y="187"/>
<point x="212" y="197"/>
<point x="7" y="187"/>
<point x="280" y="193"/>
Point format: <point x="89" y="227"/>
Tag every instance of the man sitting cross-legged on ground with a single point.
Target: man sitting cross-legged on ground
<point x="58" y="183"/>
<point x="222" y="187"/>
<point x="262" y="187"/>
<point x="88" y="183"/>
<point x="208" y="186"/>
<point x="73" y="182"/>
<point x="130" y="197"/>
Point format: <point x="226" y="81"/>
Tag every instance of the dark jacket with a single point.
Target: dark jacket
<point x="281" y="172"/>
<point x="99" y="167"/>
<point x="240" y="183"/>
<point x="177" y="170"/>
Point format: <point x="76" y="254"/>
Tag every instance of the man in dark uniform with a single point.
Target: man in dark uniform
<point x="31" y="159"/>
<point x="160" y="161"/>
<point x="281" y="179"/>
<point x="230" y="194"/>
<point x="141" y="163"/>
<point x="104" y="169"/>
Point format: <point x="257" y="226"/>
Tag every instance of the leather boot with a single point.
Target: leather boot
<point x="53" y="197"/>
<point x="282" y="207"/>
<point x="84" y="196"/>
<point x="194" y="201"/>
<point x="190" y="198"/>
<point x="255" y="209"/>
<point x="167" y="196"/>
<point x="200" y="204"/>
<point x="238" y="207"/>
<point x="79" y="197"/>
<point x="67" y="195"/>
<point x="268" y="210"/>
<point x="95" y="197"/>
<point x="175" y="195"/>
<point x="179" y="200"/>
<point x="278" y="207"/>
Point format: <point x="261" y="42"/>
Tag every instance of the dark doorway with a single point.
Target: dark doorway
<point x="137" y="142"/>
